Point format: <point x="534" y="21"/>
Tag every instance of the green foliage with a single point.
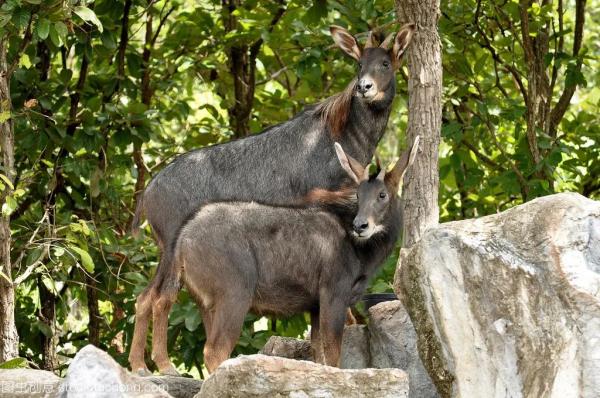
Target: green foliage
<point x="15" y="363"/>
<point x="85" y="102"/>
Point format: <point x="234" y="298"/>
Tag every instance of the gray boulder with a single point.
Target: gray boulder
<point x="28" y="383"/>
<point x="267" y="376"/>
<point x="176" y="386"/>
<point x="393" y="344"/>
<point x="355" y="348"/>
<point x="93" y="373"/>
<point x="288" y="347"/>
<point x="508" y="305"/>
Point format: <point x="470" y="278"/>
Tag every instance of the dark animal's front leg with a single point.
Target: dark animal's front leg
<point x="315" y="337"/>
<point x="332" y="317"/>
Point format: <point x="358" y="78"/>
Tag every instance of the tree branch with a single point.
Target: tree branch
<point x="559" y="110"/>
<point x="24" y="43"/>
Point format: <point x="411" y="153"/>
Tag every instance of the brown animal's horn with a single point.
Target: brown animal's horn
<point x="370" y="41"/>
<point x="350" y="165"/>
<point x="388" y="41"/>
<point x="365" y="176"/>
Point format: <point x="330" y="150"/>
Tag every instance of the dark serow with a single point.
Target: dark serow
<point x="278" y="166"/>
<point x="235" y="257"/>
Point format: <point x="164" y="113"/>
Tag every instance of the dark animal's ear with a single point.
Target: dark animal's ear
<point x="401" y="43"/>
<point x="350" y="165"/>
<point x="345" y="41"/>
<point x="394" y="177"/>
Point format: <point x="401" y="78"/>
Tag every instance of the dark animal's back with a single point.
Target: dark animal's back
<point x="277" y="166"/>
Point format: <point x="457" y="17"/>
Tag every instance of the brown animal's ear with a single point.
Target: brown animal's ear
<point x="350" y="165"/>
<point x="401" y="42"/>
<point x="394" y="177"/>
<point x="345" y="41"/>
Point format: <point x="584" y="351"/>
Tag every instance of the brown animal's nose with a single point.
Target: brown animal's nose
<point x="360" y="225"/>
<point x="364" y="85"/>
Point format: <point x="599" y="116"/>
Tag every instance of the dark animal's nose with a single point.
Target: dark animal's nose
<point x="364" y="85"/>
<point x="360" y="225"/>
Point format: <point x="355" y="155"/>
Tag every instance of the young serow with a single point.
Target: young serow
<point x="276" y="167"/>
<point x="236" y="257"/>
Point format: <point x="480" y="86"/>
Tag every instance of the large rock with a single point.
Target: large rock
<point x="288" y="347"/>
<point x="266" y="376"/>
<point x="355" y="348"/>
<point x="176" y="386"/>
<point x="93" y="373"/>
<point x="393" y="344"/>
<point x="509" y="305"/>
<point x="28" y="383"/>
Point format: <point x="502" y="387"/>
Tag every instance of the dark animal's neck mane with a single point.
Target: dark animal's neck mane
<point x="335" y="110"/>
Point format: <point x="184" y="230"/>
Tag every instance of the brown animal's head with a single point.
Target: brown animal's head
<point x="376" y="63"/>
<point x="377" y="195"/>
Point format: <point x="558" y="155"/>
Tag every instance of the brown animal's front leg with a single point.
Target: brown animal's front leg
<point x="315" y="337"/>
<point x="332" y="317"/>
<point x="143" y="311"/>
<point x="160" y="312"/>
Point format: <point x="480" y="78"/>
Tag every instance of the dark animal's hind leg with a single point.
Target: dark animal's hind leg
<point x="223" y="331"/>
<point x="160" y="311"/>
<point x="315" y="337"/>
<point x="143" y="310"/>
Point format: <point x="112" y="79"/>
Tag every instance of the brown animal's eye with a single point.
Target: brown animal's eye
<point x="386" y="64"/>
<point x="382" y="195"/>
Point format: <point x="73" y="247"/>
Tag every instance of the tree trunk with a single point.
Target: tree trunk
<point x="9" y="339"/>
<point x="421" y="183"/>
<point x="95" y="319"/>
<point x="48" y="317"/>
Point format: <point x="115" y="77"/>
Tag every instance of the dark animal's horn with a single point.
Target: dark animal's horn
<point x="370" y="40"/>
<point x="388" y="41"/>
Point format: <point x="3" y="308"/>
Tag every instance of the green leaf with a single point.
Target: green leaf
<point x="61" y="29"/>
<point x="24" y="61"/>
<point x="192" y="321"/>
<point x="43" y="28"/>
<point x="88" y="16"/>
<point x="9" y="206"/>
<point x="86" y="259"/>
<point x="15" y="363"/>
<point x="7" y="181"/>
<point x="55" y="37"/>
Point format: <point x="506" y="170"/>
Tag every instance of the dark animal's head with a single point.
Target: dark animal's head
<point x="377" y="195"/>
<point x="376" y="64"/>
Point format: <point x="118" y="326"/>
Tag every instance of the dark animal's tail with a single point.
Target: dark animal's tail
<point x="137" y="217"/>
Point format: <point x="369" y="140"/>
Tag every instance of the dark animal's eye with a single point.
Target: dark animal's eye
<point x="382" y="195"/>
<point x="360" y="65"/>
<point x="386" y="64"/>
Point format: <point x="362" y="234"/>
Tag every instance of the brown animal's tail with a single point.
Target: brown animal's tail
<point x="137" y="217"/>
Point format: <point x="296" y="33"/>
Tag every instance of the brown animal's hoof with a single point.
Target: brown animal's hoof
<point x="170" y="371"/>
<point x="143" y="372"/>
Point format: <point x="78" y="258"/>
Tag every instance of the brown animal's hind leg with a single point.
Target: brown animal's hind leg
<point x="315" y="337"/>
<point x="160" y="311"/>
<point x="143" y="310"/>
<point x="332" y="319"/>
<point x="223" y="331"/>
